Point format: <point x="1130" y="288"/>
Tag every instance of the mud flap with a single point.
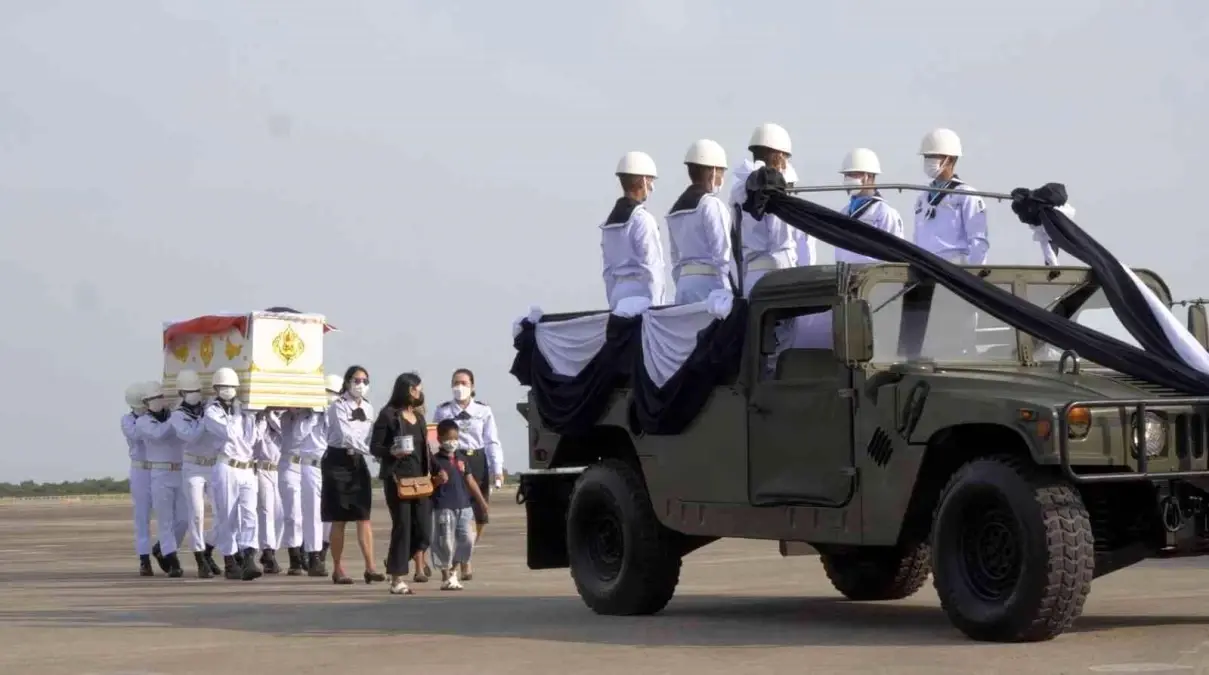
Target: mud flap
<point x="546" y="496"/>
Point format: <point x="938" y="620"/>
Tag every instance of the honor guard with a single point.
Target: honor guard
<point x="305" y="441"/>
<point x="804" y="244"/>
<point x="140" y="477"/>
<point x="164" y="457"/>
<point x="629" y="237"/>
<point x="232" y="433"/>
<point x="952" y="226"/>
<point x="269" y="514"/>
<point x="768" y="243"/>
<point x="860" y="170"/>
<point x="698" y="227"/>
<point x="199" y="457"/>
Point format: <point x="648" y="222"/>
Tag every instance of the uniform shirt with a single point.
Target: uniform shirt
<point x="804" y="246"/>
<point x="476" y="431"/>
<point x="345" y="432"/>
<point x="191" y="434"/>
<point x="159" y="439"/>
<point x="231" y="434"/>
<point x="269" y="437"/>
<point x="769" y="236"/>
<point x="878" y="214"/>
<point x="698" y="228"/>
<point x="305" y="433"/>
<point x="956" y="226"/>
<point x="631" y="249"/>
<point x="453" y="493"/>
<point x="134" y="444"/>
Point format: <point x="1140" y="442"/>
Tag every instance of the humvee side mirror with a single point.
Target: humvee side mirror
<point x="852" y="331"/>
<point x="1198" y="325"/>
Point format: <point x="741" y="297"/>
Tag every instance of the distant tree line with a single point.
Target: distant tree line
<point x="90" y="486"/>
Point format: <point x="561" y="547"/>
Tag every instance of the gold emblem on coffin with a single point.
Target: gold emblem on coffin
<point x="232" y="349"/>
<point x="181" y="352"/>
<point x="206" y="351"/>
<point x="288" y="345"/>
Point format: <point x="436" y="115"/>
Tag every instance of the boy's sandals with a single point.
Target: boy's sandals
<point x="399" y="587"/>
<point x="451" y="584"/>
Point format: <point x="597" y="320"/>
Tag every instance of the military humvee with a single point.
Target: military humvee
<point x="1012" y="472"/>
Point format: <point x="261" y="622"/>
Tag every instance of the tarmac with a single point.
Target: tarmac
<point x="69" y="582"/>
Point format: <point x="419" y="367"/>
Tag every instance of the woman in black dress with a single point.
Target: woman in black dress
<point x="400" y="442"/>
<point x="347" y="492"/>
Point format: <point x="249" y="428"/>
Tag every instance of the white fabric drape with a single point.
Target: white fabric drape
<point x="1190" y="351"/>
<point x="568" y="346"/>
<point x="669" y="335"/>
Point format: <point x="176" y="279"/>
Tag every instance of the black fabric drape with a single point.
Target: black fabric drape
<point x="671" y="408"/>
<point x="766" y="194"/>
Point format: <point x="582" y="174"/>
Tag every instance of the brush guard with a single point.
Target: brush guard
<point x="1178" y="432"/>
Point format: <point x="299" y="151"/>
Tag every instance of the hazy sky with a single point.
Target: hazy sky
<point x="422" y="172"/>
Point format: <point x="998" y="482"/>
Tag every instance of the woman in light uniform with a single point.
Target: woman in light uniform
<point x="478" y="441"/>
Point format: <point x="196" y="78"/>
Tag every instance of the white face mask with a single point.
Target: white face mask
<point x="461" y="392"/>
<point x="448" y="447"/>
<point x="932" y="166"/>
<point x="852" y="181"/>
<point x="155" y="404"/>
<point x="225" y="393"/>
<point x="192" y="397"/>
<point x="358" y="389"/>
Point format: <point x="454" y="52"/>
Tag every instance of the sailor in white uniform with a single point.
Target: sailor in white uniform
<point x="768" y="243"/>
<point x="629" y="237"/>
<point x="140" y="478"/>
<point x="164" y="457"/>
<point x="305" y="441"/>
<point x="199" y="456"/>
<point x="860" y="170"/>
<point x="804" y="244"/>
<point x="953" y="226"/>
<point x="698" y="227"/>
<point x="233" y="435"/>
<point x="269" y="513"/>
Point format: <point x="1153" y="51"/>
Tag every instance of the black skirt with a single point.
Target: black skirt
<point x="476" y="466"/>
<point x="347" y="493"/>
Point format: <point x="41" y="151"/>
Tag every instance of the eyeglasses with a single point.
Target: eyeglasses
<point x="360" y="380"/>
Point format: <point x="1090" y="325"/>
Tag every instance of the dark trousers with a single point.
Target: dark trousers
<point x="410" y="528"/>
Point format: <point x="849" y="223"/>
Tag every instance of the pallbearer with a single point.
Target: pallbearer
<point x="267" y="454"/>
<point x="233" y="435"/>
<point x="199" y="456"/>
<point x="629" y="238"/>
<point x="140" y="478"/>
<point x="698" y="227"/>
<point x="164" y="458"/>
<point x="305" y="433"/>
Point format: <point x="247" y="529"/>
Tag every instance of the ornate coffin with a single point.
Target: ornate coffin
<point x="277" y="355"/>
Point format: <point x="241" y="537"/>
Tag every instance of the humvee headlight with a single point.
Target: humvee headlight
<point x="1078" y="422"/>
<point x="1155" y="428"/>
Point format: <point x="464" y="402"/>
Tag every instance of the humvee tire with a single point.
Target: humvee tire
<point x="1012" y="551"/>
<point x="622" y="558"/>
<point x="890" y="573"/>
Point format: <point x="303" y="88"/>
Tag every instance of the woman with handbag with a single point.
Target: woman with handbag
<point x="400" y="442"/>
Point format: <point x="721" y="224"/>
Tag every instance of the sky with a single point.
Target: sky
<point x="423" y="172"/>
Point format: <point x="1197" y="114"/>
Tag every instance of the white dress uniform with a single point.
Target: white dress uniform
<point x="630" y="246"/>
<point x="305" y="442"/>
<point x="698" y="228"/>
<point x="140" y="489"/>
<point x="768" y="243"/>
<point x="167" y="496"/>
<point x="233" y="433"/>
<point x="950" y="225"/>
<point x="267" y="453"/>
<point x="199" y="456"/>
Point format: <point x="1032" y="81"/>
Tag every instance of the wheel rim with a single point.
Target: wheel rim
<point x="990" y="548"/>
<point x="605" y="542"/>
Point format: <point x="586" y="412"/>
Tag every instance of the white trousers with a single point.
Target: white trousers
<point x="289" y="486"/>
<point x="314" y="530"/>
<point x="140" y="494"/>
<point x="268" y="510"/>
<point x="697" y="287"/>
<point x="168" y="501"/>
<point x="197" y="489"/>
<point x="234" y="508"/>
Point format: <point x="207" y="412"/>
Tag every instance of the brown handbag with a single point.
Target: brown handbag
<point x="414" y="488"/>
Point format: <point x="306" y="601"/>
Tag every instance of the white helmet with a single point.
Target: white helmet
<point x="789" y="174"/>
<point x="771" y="136"/>
<point x="941" y="142"/>
<point x="333" y="383"/>
<point x="1067" y="210"/>
<point x="152" y="390"/>
<point x="188" y="380"/>
<point x="861" y="160"/>
<point x="636" y="163"/>
<point x="134" y="395"/>
<point x="706" y="153"/>
<point x="225" y="377"/>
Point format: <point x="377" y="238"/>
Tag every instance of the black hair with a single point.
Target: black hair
<point x="469" y="373"/>
<point x="348" y="376"/>
<point x="445" y="426"/>
<point x="400" y="396"/>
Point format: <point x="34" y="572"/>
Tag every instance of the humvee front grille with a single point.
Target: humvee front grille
<point x="1148" y="387"/>
<point x="880" y="447"/>
<point x="1190" y="438"/>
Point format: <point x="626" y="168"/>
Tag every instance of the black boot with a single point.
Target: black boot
<point x="215" y="570"/>
<point x="203" y="566"/>
<point x="145" y="566"/>
<point x="249" y="569"/>
<point x="159" y="557"/>
<point x="315" y="566"/>
<point x="231" y="569"/>
<point x="295" y="561"/>
<point x="268" y="559"/>
<point x="239" y="558"/>
<point x="174" y="565"/>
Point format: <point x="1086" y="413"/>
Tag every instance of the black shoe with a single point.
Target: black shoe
<point x="269" y="560"/>
<point x="238" y="558"/>
<point x="371" y="577"/>
<point x="159" y="557"/>
<point x="296" y="567"/>
<point x="203" y="566"/>
<point x="315" y="565"/>
<point x="215" y="570"/>
<point x="231" y="568"/>
<point x="145" y="566"/>
<point x="174" y="565"/>
<point x="249" y="569"/>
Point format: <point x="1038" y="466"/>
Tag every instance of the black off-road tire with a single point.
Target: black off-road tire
<point x="993" y="595"/>
<point x="889" y="573"/>
<point x="643" y="577"/>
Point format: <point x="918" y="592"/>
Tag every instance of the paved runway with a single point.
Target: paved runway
<point x="68" y="579"/>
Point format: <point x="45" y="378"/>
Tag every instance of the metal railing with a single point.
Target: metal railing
<point x="1140" y="407"/>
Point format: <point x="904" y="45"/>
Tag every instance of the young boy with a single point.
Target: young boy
<point x="453" y="540"/>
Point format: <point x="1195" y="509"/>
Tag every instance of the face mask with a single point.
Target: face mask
<point x="461" y="392"/>
<point x="155" y="404"/>
<point x="932" y="166"/>
<point x="852" y="181"/>
<point x="192" y="397"/>
<point x="650" y="187"/>
<point x="358" y="389"/>
<point x="448" y="447"/>
<point x="225" y="393"/>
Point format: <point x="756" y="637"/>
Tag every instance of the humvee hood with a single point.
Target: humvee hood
<point x="1043" y="385"/>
